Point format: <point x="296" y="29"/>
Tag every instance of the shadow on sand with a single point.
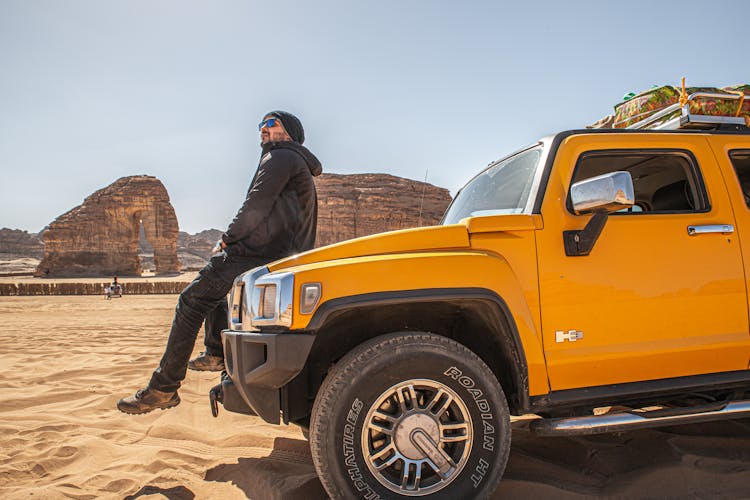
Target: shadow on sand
<point x="671" y="462"/>
<point x="287" y="473"/>
<point x="176" y="493"/>
<point x="682" y="461"/>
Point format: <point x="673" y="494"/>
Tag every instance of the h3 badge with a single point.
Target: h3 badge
<point x="570" y="335"/>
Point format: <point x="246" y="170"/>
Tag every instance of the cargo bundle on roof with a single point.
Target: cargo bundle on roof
<point x="669" y="107"/>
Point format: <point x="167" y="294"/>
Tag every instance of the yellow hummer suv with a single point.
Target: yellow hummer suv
<point x="594" y="269"/>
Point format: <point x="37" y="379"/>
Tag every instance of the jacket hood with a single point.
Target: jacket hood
<point x="310" y="159"/>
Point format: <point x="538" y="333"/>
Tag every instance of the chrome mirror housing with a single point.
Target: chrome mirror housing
<point x="609" y="192"/>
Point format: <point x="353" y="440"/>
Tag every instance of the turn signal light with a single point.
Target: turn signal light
<point x="309" y="297"/>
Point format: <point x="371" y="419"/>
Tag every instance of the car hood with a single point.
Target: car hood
<point x="405" y="240"/>
<point x="454" y="236"/>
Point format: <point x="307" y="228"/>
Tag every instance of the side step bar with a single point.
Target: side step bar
<point x="622" y="421"/>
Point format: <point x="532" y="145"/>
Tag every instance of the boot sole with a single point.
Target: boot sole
<point x="206" y="368"/>
<point x="135" y="411"/>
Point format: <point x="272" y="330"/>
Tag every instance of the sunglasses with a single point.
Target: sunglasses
<point x="271" y="122"/>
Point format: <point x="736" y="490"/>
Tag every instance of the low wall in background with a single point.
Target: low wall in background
<point x="146" y="288"/>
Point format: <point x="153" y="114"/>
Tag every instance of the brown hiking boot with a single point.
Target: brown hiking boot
<point x="146" y="400"/>
<point x="206" y="363"/>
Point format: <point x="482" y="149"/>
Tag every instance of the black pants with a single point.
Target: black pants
<point x="198" y="300"/>
<point x="216" y="321"/>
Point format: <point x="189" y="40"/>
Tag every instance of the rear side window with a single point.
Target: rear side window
<point x="741" y="162"/>
<point x="663" y="181"/>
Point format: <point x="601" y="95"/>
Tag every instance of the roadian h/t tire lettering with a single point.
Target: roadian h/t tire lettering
<point x="410" y="414"/>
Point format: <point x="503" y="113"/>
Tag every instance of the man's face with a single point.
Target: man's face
<point x="271" y="130"/>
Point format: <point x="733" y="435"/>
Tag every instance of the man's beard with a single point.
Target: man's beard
<point x="280" y="138"/>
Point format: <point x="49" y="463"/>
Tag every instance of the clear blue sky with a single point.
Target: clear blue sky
<point x="91" y="91"/>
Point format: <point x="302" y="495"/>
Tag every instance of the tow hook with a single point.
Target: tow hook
<point x="215" y="396"/>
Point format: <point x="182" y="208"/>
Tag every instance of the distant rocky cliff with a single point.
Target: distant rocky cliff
<point x="356" y="205"/>
<point x="199" y="244"/>
<point x="15" y="242"/>
<point x="20" y="251"/>
<point x="101" y="236"/>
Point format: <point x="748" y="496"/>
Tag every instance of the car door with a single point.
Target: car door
<point x="733" y="156"/>
<point x="654" y="299"/>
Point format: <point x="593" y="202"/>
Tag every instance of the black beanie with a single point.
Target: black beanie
<point x="291" y="124"/>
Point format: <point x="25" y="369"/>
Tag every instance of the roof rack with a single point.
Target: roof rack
<point x="688" y="120"/>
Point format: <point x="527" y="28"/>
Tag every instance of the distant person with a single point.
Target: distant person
<point x="277" y="219"/>
<point x="113" y="289"/>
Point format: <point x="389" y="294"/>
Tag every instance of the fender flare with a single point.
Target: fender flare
<point x="519" y="367"/>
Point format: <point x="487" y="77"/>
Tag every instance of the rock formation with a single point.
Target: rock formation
<point x="194" y="250"/>
<point x="20" y="252"/>
<point x="101" y="236"/>
<point x="20" y="243"/>
<point x="356" y="205"/>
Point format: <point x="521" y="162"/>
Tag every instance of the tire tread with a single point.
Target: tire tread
<point x="347" y="369"/>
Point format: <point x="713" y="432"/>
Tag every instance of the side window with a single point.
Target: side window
<point x="663" y="181"/>
<point x="741" y="162"/>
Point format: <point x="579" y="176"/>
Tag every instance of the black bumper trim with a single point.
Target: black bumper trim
<point x="259" y="364"/>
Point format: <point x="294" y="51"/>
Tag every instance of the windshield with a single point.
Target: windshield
<point x="503" y="188"/>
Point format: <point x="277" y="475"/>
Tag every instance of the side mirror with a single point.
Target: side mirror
<point x="601" y="195"/>
<point x="609" y="193"/>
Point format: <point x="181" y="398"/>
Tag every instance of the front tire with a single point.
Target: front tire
<point x="410" y="414"/>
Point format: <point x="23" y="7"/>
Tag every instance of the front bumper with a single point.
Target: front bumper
<point x="259" y="364"/>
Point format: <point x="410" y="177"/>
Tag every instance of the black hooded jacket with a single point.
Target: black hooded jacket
<point x="280" y="213"/>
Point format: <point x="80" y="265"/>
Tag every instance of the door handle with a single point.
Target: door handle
<point x="710" y="228"/>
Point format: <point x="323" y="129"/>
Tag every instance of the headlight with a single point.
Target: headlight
<point x="259" y="298"/>
<point x="239" y="298"/>
<point x="271" y="300"/>
<point x="267" y="301"/>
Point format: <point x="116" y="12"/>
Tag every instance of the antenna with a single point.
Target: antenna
<point x="421" y="199"/>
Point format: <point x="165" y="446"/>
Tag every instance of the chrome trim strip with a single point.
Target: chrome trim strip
<point x="710" y="229"/>
<point x="235" y="300"/>
<point x="579" y="426"/>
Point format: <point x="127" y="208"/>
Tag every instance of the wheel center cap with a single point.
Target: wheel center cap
<point x="407" y="426"/>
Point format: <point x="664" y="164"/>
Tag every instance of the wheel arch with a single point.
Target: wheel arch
<point x="478" y="318"/>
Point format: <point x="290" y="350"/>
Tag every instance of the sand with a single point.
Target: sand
<point x="66" y="360"/>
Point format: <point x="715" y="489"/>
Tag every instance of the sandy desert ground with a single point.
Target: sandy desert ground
<point x="66" y="360"/>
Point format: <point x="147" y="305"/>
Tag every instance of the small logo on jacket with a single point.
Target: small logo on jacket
<point x="570" y="335"/>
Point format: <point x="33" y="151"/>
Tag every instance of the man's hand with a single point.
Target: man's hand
<point x="220" y="245"/>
